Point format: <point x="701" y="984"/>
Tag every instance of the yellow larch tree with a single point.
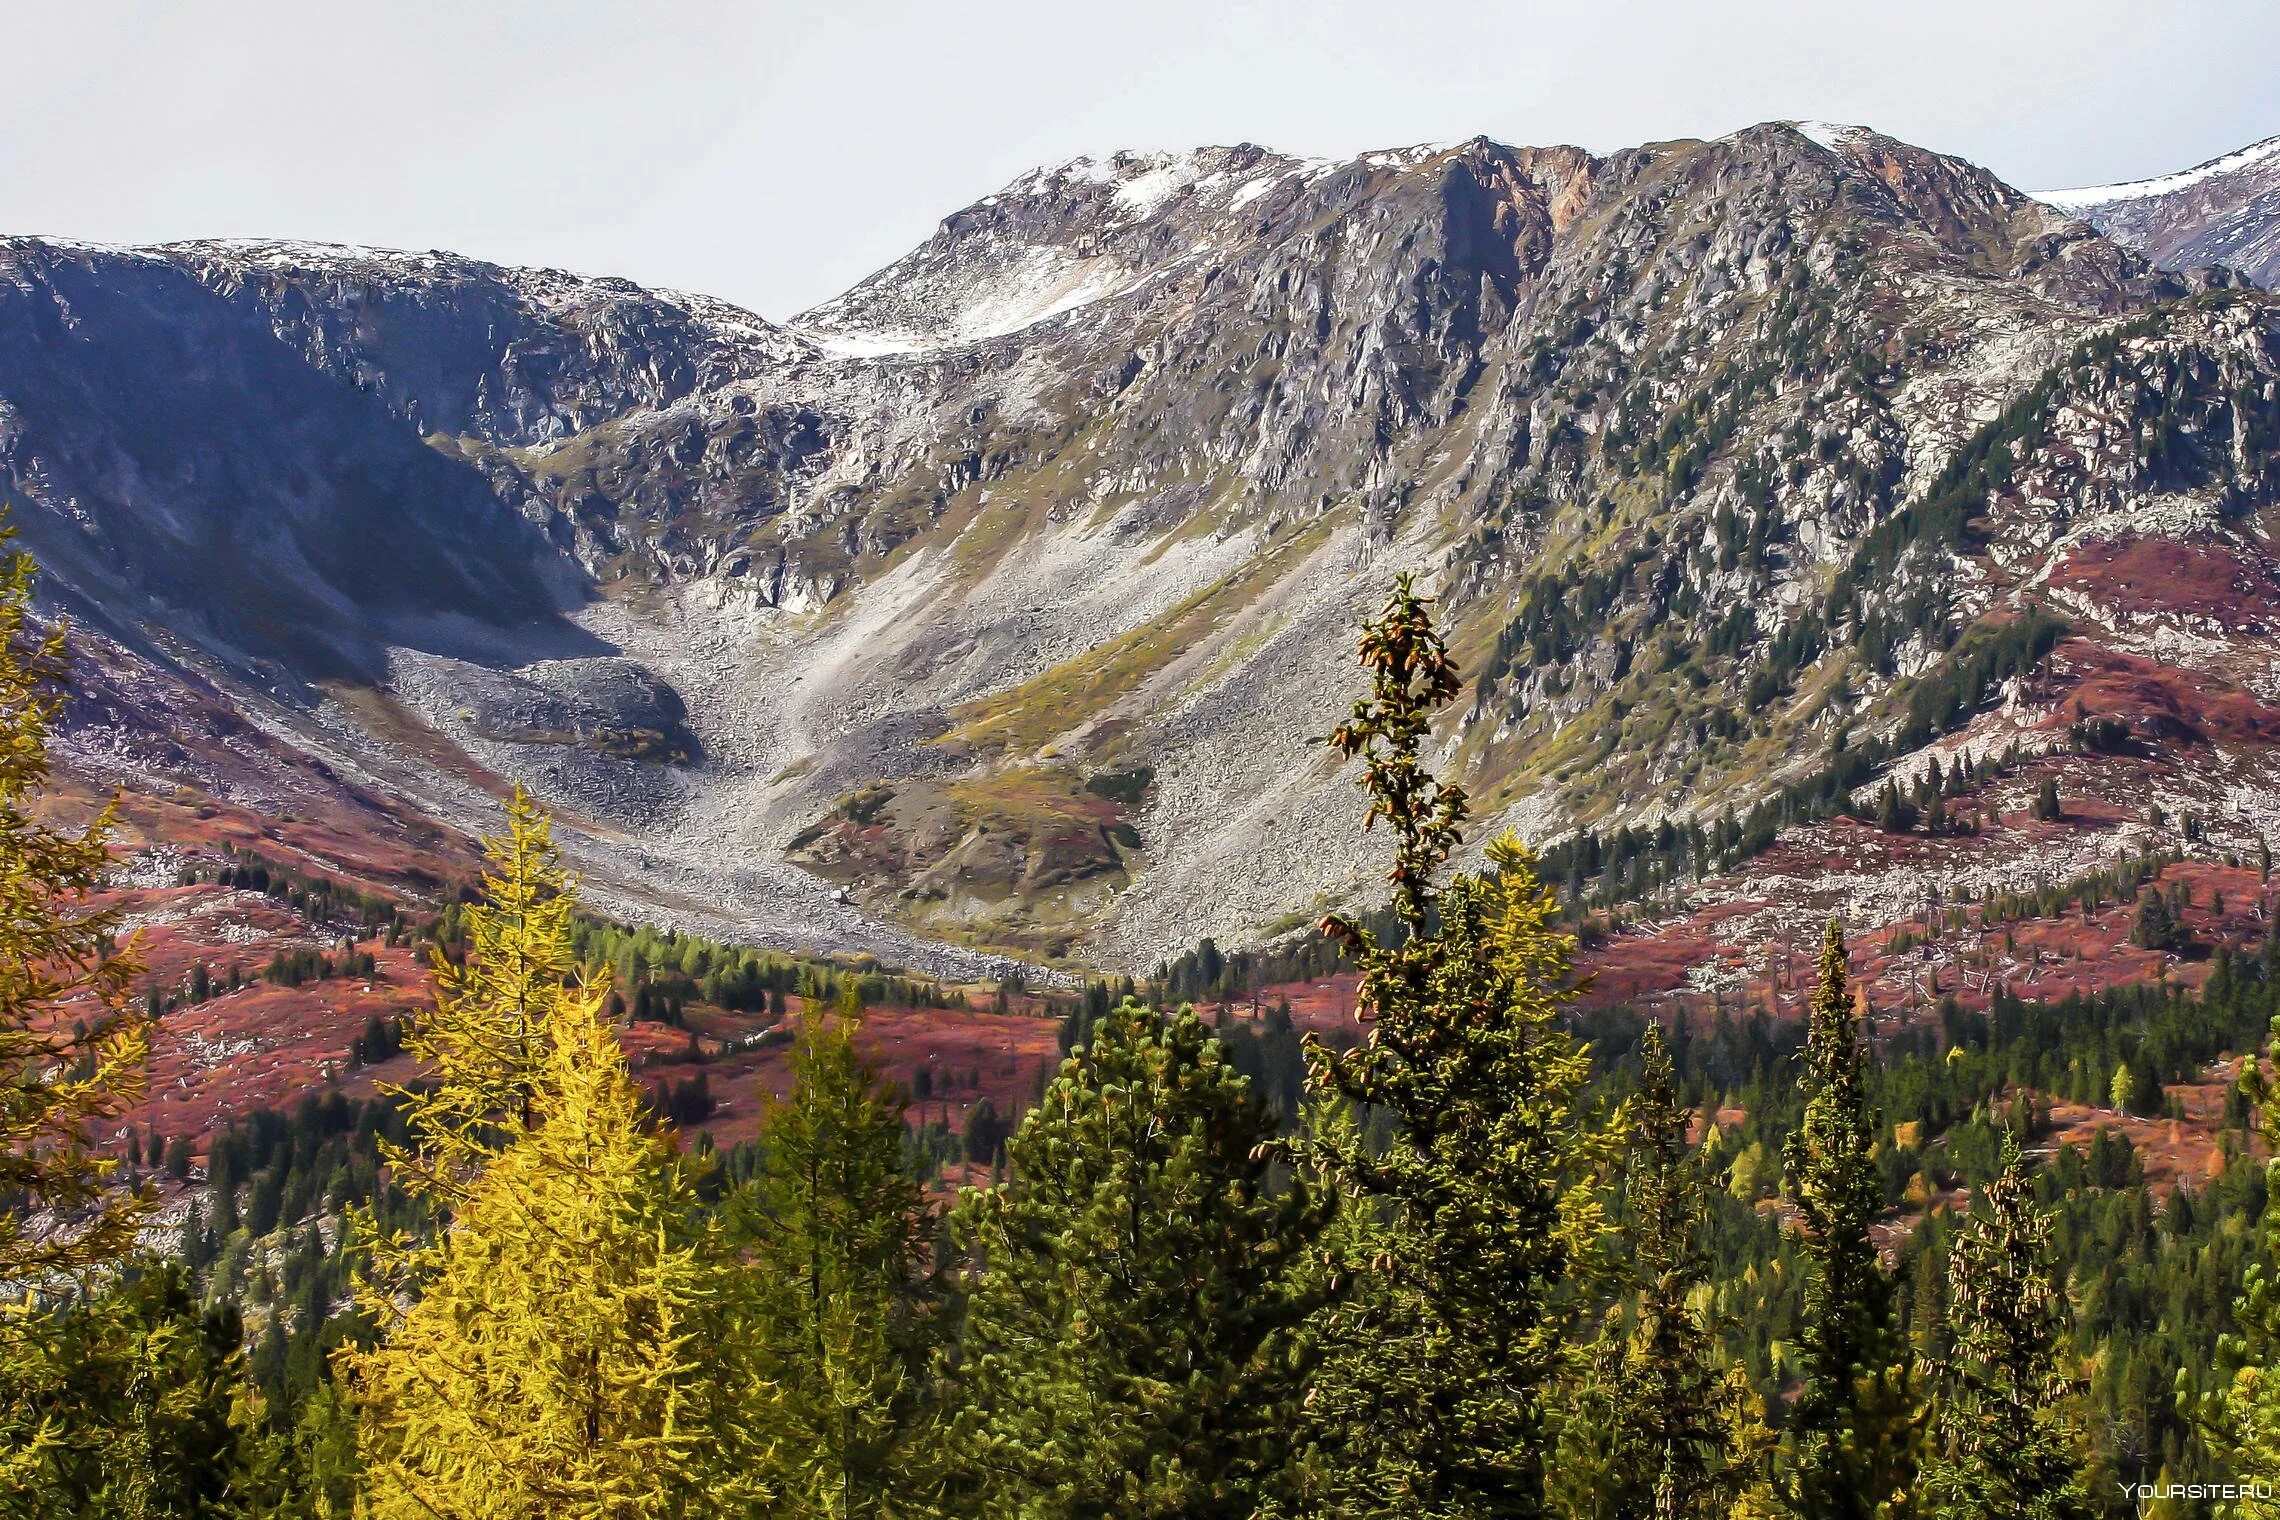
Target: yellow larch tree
<point x="574" y="1343"/>
<point x="72" y="1046"/>
<point x="482" y="1046"/>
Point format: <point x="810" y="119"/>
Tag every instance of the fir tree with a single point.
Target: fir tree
<point x="2003" y="1445"/>
<point x="838" y="1232"/>
<point x="1850" y="1432"/>
<point x="72" y="1043"/>
<point x="1133" y="1339"/>
<point x="1895" y="814"/>
<point x="1470" y="1217"/>
<point x="2156" y="926"/>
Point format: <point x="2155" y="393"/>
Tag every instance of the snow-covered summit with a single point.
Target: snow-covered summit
<point x="1058" y="238"/>
<point x="2224" y="212"/>
<point x="1140" y="185"/>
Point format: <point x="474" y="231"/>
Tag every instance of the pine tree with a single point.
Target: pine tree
<point x="838" y="1232"/>
<point x="1850" y="1434"/>
<point x="2003" y="1446"/>
<point x="1133" y="1339"/>
<point x="1471" y="1217"/>
<point x="72" y="1043"/>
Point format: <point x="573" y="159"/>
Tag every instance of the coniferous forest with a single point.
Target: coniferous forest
<point x="1495" y="1256"/>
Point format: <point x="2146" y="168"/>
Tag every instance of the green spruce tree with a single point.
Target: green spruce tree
<point x="838" y="1231"/>
<point x="2156" y="926"/>
<point x="2003" y="1444"/>
<point x="1660" y="1418"/>
<point x="1851" y="1436"/>
<point x="1133" y="1346"/>
<point x="1474" y="1213"/>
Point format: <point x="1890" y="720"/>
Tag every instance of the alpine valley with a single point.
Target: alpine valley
<point x="1822" y="525"/>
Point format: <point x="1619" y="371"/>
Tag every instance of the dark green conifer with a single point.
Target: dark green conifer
<point x="1895" y="814"/>
<point x="2003" y="1444"/>
<point x="1469" y="1217"/>
<point x="1658" y="1426"/>
<point x="1134" y="1345"/>
<point x="838" y="1233"/>
<point x="2156" y="926"/>
<point x="1850" y="1437"/>
<point x="135" y="1402"/>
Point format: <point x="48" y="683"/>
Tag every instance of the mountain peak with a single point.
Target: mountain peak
<point x="1074" y="234"/>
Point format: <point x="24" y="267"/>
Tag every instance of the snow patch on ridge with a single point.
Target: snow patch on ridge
<point x="2167" y="184"/>
<point x="1064" y="237"/>
<point x="967" y="303"/>
<point x="1409" y="157"/>
<point x="1832" y="135"/>
<point x="1008" y="264"/>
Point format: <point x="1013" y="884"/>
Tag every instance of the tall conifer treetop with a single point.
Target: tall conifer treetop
<point x="570" y="1352"/>
<point x="578" y="1342"/>
<point x="1852" y="1429"/>
<point x="836" y="1230"/>
<point x="2003" y="1442"/>
<point x="1468" y="1222"/>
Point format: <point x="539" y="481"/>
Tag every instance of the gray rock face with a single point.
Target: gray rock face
<point x="1695" y="437"/>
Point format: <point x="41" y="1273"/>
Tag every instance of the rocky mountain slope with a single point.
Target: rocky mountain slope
<point x="2226" y="211"/>
<point x="993" y="606"/>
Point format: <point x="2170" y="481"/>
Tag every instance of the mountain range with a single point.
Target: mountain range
<point x="991" y="610"/>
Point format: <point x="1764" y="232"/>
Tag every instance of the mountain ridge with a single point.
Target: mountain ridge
<point x="1011" y="635"/>
<point x="2225" y="211"/>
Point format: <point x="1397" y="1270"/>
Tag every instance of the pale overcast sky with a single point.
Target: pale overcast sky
<point x="772" y="154"/>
